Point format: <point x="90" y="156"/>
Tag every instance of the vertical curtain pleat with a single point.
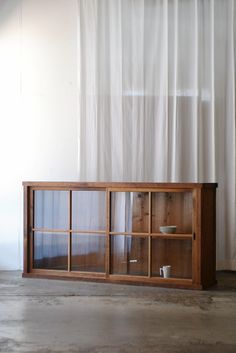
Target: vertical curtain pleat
<point x="116" y="82"/>
<point x="157" y="97"/>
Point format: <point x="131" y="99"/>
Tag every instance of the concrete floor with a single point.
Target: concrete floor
<point x="45" y="316"/>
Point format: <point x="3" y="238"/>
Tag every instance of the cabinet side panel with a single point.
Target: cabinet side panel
<point x="26" y="230"/>
<point x="196" y="220"/>
<point x="208" y="244"/>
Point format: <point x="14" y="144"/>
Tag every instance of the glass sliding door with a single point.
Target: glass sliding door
<point x="129" y="227"/>
<point x="129" y="212"/>
<point x="77" y="231"/>
<point x="51" y="209"/>
<point x="129" y="255"/>
<point x="172" y="208"/>
<point x="89" y="210"/>
<point x="50" y="251"/>
<point x="88" y="252"/>
<point x="89" y="224"/>
<point x="176" y="253"/>
<point x="51" y="230"/>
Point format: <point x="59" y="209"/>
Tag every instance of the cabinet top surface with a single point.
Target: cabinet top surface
<point x="75" y="184"/>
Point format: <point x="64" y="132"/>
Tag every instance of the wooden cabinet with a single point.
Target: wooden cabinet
<point x="111" y="232"/>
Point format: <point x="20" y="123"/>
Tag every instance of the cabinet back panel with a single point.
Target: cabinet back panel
<point x="176" y="253"/>
<point x="130" y="212"/>
<point x="172" y="208"/>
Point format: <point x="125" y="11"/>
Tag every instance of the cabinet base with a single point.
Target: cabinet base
<point x="114" y="279"/>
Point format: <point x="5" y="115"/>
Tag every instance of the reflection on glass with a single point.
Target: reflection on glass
<point x="50" y="251"/>
<point x="172" y="252"/>
<point x="172" y="208"/>
<point x="129" y="255"/>
<point x="89" y="210"/>
<point x="51" y="209"/>
<point x="88" y="252"/>
<point x="130" y="212"/>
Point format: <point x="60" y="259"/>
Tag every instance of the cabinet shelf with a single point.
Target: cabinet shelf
<point x="45" y="230"/>
<point x="110" y="232"/>
<point x="172" y="236"/>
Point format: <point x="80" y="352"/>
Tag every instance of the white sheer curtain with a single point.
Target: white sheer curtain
<point x="157" y="97"/>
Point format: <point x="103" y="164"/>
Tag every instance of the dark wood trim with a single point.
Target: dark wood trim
<point x="130" y="233"/>
<point x="134" y="185"/>
<point x="181" y="284"/>
<point x="208" y="246"/>
<point x="172" y="236"/>
<point x="196" y="243"/>
<point x="26" y="230"/>
<point x="69" y="233"/>
<point x="48" y="230"/>
<point x="86" y="274"/>
<point x="108" y="240"/>
<point x="30" y="229"/>
<point x="149" y="236"/>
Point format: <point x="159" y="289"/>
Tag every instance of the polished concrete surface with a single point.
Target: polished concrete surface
<point x="46" y="316"/>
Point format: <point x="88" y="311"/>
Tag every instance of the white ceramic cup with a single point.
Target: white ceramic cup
<point x="165" y="271"/>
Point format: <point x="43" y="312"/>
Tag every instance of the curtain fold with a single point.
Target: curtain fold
<point x="157" y="97"/>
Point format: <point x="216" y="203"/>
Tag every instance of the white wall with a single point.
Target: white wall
<point x="38" y="106"/>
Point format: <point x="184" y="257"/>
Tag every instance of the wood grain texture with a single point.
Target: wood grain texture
<point x="26" y="260"/>
<point x="103" y="185"/>
<point x="172" y="209"/>
<point x="190" y="252"/>
<point x="116" y="279"/>
<point x="208" y="241"/>
<point x="174" y="252"/>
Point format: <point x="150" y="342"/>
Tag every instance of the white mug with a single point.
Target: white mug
<point x="165" y="271"/>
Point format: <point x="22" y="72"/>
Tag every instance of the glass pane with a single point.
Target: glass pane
<point x="88" y="252"/>
<point x="172" y="208"/>
<point x="51" y="209"/>
<point x="89" y="210"/>
<point x="172" y="252"/>
<point x="130" y="212"/>
<point x="129" y="255"/>
<point x="51" y="251"/>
